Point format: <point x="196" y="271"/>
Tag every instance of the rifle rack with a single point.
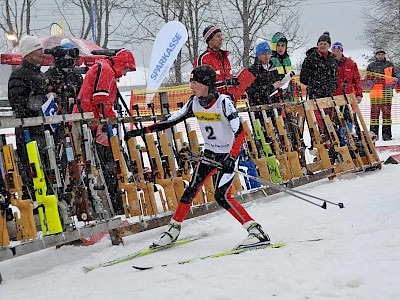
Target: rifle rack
<point x="12" y="122"/>
<point x="59" y="239"/>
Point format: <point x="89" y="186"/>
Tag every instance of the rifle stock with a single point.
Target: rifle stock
<point x="292" y="155"/>
<point x="50" y="202"/>
<point x="14" y="186"/>
<point x="128" y="190"/>
<point x="323" y="160"/>
<point x="160" y="176"/>
<point x="149" y="205"/>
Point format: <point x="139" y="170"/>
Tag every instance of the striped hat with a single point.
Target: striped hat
<point x="209" y="32"/>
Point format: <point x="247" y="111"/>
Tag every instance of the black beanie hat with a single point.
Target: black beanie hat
<point x="325" y="37"/>
<point x="204" y="74"/>
<point x="209" y="32"/>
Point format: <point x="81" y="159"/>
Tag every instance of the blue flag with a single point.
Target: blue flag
<point x="50" y="108"/>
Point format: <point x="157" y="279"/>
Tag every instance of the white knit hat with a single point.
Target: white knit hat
<point x="28" y="44"/>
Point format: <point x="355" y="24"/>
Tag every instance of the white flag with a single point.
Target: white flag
<point x="167" y="45"/>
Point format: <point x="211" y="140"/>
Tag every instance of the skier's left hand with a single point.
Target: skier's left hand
<point x="233" y="82"/>
<point x="133" y="133"/>
<point x="229" y="164"/>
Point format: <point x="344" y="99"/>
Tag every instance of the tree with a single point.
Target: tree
<point x="383" y="27"/>
<point x="106" y="15"/>
<point x="152" y="15"/>
<point x="245" y="21"/>
<point x="15" y="18"/>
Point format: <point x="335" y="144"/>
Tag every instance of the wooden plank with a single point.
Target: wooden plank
<point x="35" y="121"/>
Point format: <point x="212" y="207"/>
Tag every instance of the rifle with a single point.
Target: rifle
<point x="295" y="127"/>
<point x="277" y="145"/>
<point x="56" y="179"/>
<point x="292" y="155"/>
<point x="369" y="143"/>
<point x="160" y="171"/>
<point x="272" y="161"/>
<point x="14" y="186"/>
<point x="257" y="156"/>
<point x="367" y="146"/>
<point x="93" y="170"/>
<point x="166" y="150"/>
<point x="353" y="147"/>
<point x="180" y="143"/>
<point x="149" y="206"/>
<point x="50" y="202"/>
<point x="4" y="199"/>
<point x="343" y="155"/>
<point x="317" y="141"/>
<point x="84" y="209"/>
<point x="127" y="189"/>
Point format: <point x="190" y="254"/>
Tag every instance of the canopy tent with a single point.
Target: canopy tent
<point x="85" y="48"/>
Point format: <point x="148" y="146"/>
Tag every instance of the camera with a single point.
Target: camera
<point x="64" y="58"/>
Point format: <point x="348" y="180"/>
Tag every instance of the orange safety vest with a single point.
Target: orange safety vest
<point x="377" y="90"/>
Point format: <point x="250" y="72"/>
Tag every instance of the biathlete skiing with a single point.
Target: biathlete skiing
<point x="223" y="136"/>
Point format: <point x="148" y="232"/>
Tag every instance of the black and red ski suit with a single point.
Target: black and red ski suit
<point x="219" y="144"/>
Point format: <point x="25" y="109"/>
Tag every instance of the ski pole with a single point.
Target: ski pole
<point x="289" y="191"/>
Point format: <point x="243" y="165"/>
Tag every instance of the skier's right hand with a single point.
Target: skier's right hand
<point x="229" y="164"/>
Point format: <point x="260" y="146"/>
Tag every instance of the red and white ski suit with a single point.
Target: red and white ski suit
<point x="100" y="86"/>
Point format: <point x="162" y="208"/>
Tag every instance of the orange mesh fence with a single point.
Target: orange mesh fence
<point x="389" y="94"/>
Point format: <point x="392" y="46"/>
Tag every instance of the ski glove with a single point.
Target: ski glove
<point x="228" y="164"/>
<point x="233" y="81"/>
<point x="135" y="132"/>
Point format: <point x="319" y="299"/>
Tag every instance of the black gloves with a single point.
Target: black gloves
<point x="133" y="133"/>
<point x="233" y="81"/>
<point x="228" y="164"/>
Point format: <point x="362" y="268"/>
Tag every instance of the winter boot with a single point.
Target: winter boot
<point x="375" y="129"/>
<point x="387" y="132"/>
<point x="256" y="235"/>
<point x="169" y="236"/>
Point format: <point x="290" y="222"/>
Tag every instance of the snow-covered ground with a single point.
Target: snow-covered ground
<point x="358" y="258"/>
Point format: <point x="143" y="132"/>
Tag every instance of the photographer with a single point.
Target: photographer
<point x="65" y="79"/>
<point x="27" y="89"/>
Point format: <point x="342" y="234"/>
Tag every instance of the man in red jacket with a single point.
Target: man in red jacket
<point x="347" y="70"/>
<point x="100" y="87"/>
<point x="217" y="58"/>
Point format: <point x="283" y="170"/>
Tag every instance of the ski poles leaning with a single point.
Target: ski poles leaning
<point x="187" y="154"/>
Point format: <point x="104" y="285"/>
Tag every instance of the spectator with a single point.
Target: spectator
<point x="267" y="77"/>
<point x="100" y="87"/>
<point x="27" y="91"/>
<point x="318" y="71"/>
<point x="281" y="60"/>
<point x="347" y="70"/>
<point x="381" y="93"/>
<point x="217" y="58"/>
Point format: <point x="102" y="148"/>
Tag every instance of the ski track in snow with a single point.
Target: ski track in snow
<point x="358" y="258"/>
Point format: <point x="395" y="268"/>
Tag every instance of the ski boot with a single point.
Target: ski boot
<point x="256" y="237"/>
<point x="169" y="236"/>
